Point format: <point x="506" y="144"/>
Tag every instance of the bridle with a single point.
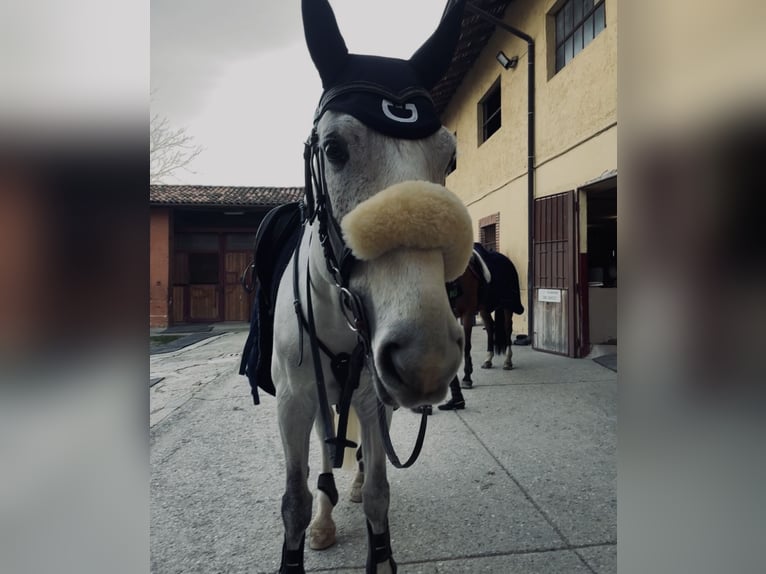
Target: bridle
<point x="340" y="262"/>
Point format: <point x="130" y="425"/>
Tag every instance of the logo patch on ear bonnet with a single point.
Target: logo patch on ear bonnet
<point x="411" y="109"/>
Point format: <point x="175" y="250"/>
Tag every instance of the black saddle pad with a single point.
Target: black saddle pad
<point x="275" y="243"/>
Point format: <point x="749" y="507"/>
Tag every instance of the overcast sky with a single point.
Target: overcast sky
<point x="238" y="76"/>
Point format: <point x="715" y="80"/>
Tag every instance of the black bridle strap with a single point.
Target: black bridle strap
<point x="324" y="405"/>
<point x="354" y="371"/>
<point x="388" y="445"/>
<point x="338" y="257"/>
<point x="347" y="370"/>
<point x="297" y="296"/>
<point x="339" y="261"/>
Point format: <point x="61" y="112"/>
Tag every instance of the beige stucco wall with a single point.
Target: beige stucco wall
<point x="575" y="122"/>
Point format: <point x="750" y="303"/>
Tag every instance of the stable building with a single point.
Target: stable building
<point x="531" y="96"/>
<point x="201" y="242"/>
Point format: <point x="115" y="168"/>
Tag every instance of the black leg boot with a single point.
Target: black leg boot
<point x="378" y="550"/>
<point x="292" y="560"/>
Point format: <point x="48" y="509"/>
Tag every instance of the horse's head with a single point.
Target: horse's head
<point x="380" y="157"/>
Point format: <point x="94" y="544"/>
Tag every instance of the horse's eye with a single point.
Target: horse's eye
<point x="336" y="151"/>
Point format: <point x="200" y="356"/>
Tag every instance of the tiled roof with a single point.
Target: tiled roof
<point x="474" y="35"/>
<point x="213" y="195"/>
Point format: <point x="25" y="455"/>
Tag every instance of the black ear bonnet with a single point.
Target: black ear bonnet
<point x="389" y="95"/>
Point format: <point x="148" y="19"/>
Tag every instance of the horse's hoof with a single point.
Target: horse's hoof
<point x="507" y="366"/>
<point x="467" y="384"/>
<point x="321" y="538"/>
<point x="486" y="365"/>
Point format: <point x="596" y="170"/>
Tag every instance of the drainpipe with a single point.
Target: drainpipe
<point x="530" y="152"/>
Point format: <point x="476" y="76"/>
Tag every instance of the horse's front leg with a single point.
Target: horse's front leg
<point x="296" y="416"/>
<point x="468" y="366"/>
<point x="356" y="486"/>
<point x="489" y="325"/>
<point x="508" y="364"/>
<point x="375" y="495"/>
<point x="322" y="527"/>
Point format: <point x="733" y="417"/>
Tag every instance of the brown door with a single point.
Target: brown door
<point x="554" y="280"/>
<point x="204" y="289"/>
<point x="236" y="300"/>
<point x="203" y="303"/>
<point x="180" y="287"/>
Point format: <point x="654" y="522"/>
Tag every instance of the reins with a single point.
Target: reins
<point x="347" y="368"/>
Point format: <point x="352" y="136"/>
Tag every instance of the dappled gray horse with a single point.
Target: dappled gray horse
<point x="380" y="238"/>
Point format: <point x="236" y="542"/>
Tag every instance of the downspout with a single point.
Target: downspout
<point x="530" y="153"/>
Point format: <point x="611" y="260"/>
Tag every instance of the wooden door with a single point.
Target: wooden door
<point x="203" y="303"/>
<point x="204" y="287"/>
<point x="236" y="300"/>
<point x="180" y="287"/>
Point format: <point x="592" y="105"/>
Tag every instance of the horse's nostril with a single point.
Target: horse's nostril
<point x="387" y="363"/>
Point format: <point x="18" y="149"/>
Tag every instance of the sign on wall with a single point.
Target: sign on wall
<point x="549" y="295"/>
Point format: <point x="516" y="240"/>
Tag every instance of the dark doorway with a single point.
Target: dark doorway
<point x="602" y="264"/>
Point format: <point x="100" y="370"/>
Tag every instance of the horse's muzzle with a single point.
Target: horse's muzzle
<point x="416" y="369"/>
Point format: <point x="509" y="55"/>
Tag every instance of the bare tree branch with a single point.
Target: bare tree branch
<point x="170" y="149"/>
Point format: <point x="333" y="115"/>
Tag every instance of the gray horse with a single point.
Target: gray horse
<point x="380" y="239"/>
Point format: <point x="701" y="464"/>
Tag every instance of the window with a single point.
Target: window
<point x="488" y="231"/>
<point x="240" y="242"/>
<point x="203" y="268"/>
<point x="490" y="112"/>
<point x="452" y="164"/>
<point x="577" y="23"/>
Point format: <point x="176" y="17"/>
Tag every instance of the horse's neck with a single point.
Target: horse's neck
<point x="325" y="302"/>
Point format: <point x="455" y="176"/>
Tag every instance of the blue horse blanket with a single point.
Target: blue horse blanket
<point x="503" y="289"/>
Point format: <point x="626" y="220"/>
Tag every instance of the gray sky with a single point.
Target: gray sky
<point x="237" y="75"/>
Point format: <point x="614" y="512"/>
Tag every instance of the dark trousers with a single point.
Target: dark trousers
<point x="454" y="386"/>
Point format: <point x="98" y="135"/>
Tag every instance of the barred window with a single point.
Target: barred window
<point x="577" y="23"/>
<point x="489" y="229"/>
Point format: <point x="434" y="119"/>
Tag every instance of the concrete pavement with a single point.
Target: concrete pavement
<point x="521" y="481"/>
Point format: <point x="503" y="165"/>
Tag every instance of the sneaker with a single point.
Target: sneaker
<point x="452" y="405"/>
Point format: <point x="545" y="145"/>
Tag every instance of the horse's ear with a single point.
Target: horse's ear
<point x="324" y="40"/>
<point x="433" y="58"/>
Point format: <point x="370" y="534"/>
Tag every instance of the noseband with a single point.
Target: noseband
<point x="340" y="262"/>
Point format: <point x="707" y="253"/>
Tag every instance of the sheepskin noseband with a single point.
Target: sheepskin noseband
<point x="414" y="215"/>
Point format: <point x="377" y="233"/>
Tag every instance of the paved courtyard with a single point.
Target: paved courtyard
<point x="521" y="481"/>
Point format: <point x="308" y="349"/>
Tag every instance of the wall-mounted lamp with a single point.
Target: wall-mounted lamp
<point x="505" y="61"/>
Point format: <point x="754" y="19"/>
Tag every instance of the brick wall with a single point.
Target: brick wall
<point x="159" y="266"/>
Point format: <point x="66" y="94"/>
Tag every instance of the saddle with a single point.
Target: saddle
<point x="275" y="242"/>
